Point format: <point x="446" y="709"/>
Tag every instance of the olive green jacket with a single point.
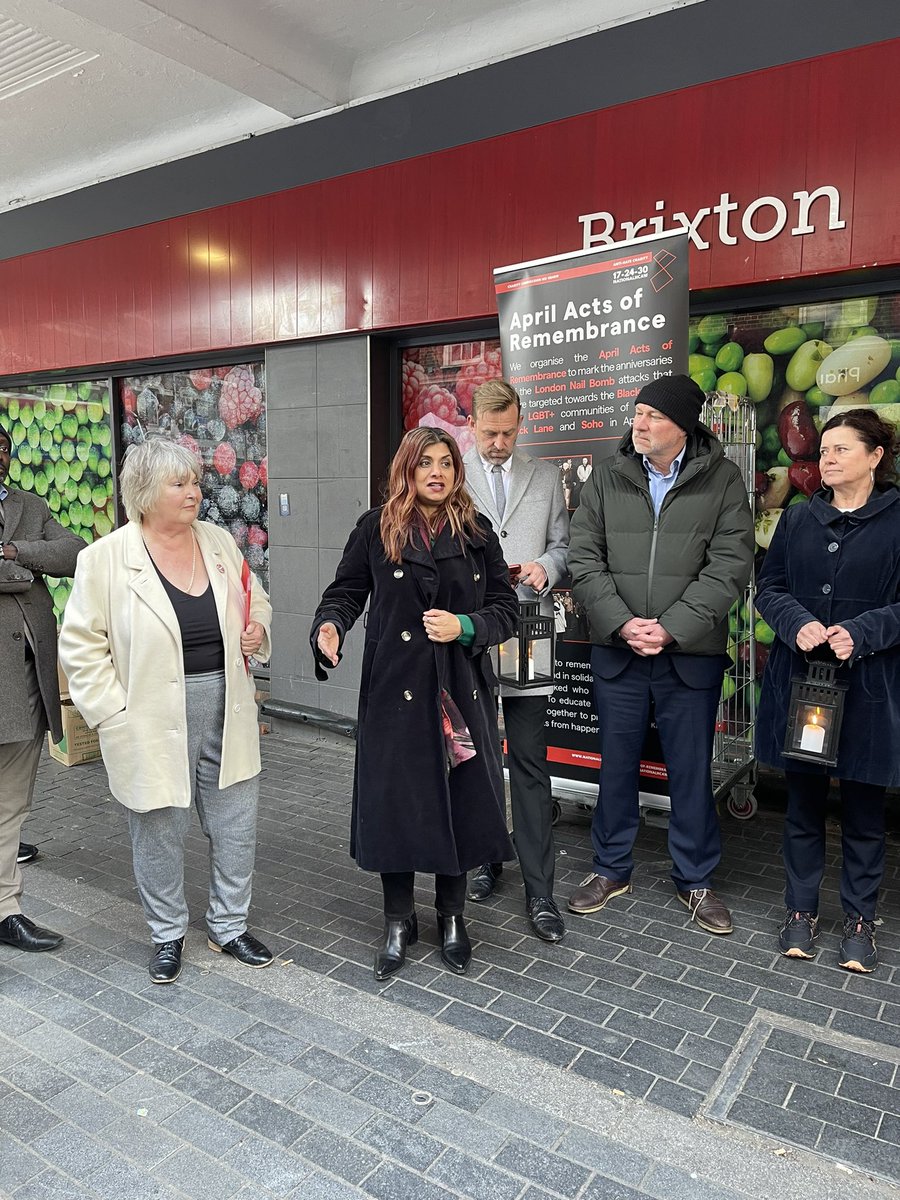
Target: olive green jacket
<point x="685" y="568"/>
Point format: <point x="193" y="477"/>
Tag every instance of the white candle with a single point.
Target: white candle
<point x="530" y="664"/>
<point x="813" y="737"/>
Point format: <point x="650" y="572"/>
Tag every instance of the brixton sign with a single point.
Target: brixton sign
<point x="761" y="220"/>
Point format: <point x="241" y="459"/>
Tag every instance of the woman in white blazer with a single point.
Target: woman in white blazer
<point x="162" y="618"/>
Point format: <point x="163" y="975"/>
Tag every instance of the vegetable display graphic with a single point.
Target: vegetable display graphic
<point x="220" y="414"/>
<point x="62" y="451"/>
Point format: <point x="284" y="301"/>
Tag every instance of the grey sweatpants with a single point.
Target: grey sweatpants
<point x="227" y="817"/>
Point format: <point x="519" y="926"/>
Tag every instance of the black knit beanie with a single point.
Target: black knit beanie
<point x="677" y="396"/>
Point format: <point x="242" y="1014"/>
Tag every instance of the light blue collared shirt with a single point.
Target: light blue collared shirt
<point x="4" y="491"/>
<point x="660" y="484"/>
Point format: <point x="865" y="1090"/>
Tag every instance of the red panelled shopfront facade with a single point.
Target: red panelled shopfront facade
<point x="789" y="173"/>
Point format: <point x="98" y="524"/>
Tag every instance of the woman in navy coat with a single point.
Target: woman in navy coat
<point x="831" y="579"/>
<point x="439" y="596"/>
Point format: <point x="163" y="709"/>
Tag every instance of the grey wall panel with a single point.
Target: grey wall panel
<point x="310" y="432"/>
<point x="677" y="49"/>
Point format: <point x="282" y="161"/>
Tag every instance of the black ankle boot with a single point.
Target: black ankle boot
<point x="456" y="949"/>
<point x="391" y="954"/>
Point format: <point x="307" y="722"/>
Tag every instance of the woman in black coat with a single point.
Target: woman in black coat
<point x="439" y="597"/>
<point x="831" y="581"/>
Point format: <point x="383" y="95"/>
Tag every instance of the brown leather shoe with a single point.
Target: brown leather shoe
<point x="594" y="892"/>
<point x="707" y="910"/>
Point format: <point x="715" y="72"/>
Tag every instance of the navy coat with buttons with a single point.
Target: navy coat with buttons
<point x="410" y="811"/>
<point x="840" y="569"/>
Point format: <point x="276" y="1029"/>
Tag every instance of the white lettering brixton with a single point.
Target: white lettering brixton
<point x="763" y="219"/>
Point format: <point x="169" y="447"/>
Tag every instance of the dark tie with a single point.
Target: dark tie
<point x="499" y="493"/>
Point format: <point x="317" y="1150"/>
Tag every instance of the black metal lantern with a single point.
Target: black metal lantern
<point x="528" y="658"/>
<point x="815" y="713"/>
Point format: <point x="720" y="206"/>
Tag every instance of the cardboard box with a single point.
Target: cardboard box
<point x="80" y="744"/>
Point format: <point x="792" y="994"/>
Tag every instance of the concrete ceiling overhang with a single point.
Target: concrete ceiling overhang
<point x="95" y="89"/>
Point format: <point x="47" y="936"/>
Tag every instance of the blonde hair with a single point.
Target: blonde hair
<point x="149" y="467"/>
<point x="494" y="396"/>
<point x="398" y="517"/>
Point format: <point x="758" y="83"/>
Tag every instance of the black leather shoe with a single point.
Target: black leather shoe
<point x="456" y="949"/>
<point x="165" y="965"/>
<point x="391" y="954"/>
<point x="483" y="882"/>
<point x="27" y="853"/>
<point x="246" y="949"/>
<point x="23" y="934"/>
<point x="545" y="919"/>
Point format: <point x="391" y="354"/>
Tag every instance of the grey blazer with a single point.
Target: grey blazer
<point x="535" y="525"/>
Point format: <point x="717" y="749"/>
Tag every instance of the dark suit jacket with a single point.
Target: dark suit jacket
<point x="45" y="548"/>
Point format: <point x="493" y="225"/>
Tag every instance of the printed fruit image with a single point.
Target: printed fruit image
<point x="219" y="413"/>
<point x="62" y="452"/>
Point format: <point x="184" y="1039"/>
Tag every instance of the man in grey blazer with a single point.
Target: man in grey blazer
<point x="29" y="697"/>
<point x="523" y="498"/>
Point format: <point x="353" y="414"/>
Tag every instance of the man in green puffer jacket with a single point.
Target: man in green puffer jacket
<point x="661" y="546"/>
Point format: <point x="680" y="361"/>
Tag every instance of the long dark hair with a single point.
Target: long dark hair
<point x="873" y="431"/>
<point x="398" y="517"/>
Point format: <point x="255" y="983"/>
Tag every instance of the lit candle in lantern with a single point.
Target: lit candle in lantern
<point x="812" y="739"/>
<point x="530" y="662"/>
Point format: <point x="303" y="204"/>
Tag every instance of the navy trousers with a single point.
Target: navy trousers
<point x="862" y="843"/>
<point x="624" y="684"/>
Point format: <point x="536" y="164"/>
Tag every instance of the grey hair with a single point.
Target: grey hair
<point x="149" y="467"/>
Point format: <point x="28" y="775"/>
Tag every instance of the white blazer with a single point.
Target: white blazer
<point x="120" y="647"/>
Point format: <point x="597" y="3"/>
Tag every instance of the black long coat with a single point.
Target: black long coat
<point x="840" y="569"/>
<point x="410" y="811"/>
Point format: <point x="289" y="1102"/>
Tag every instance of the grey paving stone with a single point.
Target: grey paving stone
<point x="473" y="1020"/>
<point x="645" y="1029"/>
<point x="408" y="1145"/>
<point x="211" y="1088"/>
<point x="676" y="1098"/>
<point x="868" y="1153"/>
<point x="85" y="1108"/>
<point x="789" y="1043"/>
<point x="604" y="1155"/>
<point x="704" y="1050"/>
<point x="337" y="1154"/>
<point x="220" y="1053"/>
<point x="157" y="1061"/>
<point x="470" y="1177"/>
<point x="332" y="1069"/>
<point x="417" y="998"/>
<point x="340" y="1110"/>
<point x="140" y="1140"/>
<point x="680" y="1185"/>
<point x="266" y="1165"/>
<point x="377" y="1056"/>
<point x="605" y="1189"/>
<point x="109" y="1035"/>
<point x="458" y="1128"/>
<point x="199" y="1176"/>
<point x="116" y="1179"/>
<point x="549" y="1170"/>
<point x="270" y="1118"/>
<point x="522" y="1119"/>
<point x="52" y="1185"/>
<point x="456" y="1089"/>
<point x="613" y="1074"/>
<point x="865" y="1091"/>
<point x="39" y="1079"/>
<point x="207" y="1131"/>
<point x="145" y="1097"/>
<point x="889" y="1130"/>
<point x="24" y="1117"/>
<point x="68" y="1149"/>
<point x="540" y="1045"/>
<point x="835" y="1111"/>
<point x="272" y="1079"/>
<point x="874" y="1069"/>
<point x="510" y="983"/>
<point x="266" y="1039"/>
<point x="701" y="1078"/>
<point x="18" y="1164"/>
<point x="65" y="1011"/>
<point x="767" y="1118"/>
<point x="873" y="1031"/>
<point x="390" y="1182"/>
<point x="319" y="1186"/>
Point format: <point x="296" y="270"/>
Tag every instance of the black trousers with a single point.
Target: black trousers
<point x="530" y="792"/>
<point x="399" y="900"/>
<point x="862" y="843"/>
